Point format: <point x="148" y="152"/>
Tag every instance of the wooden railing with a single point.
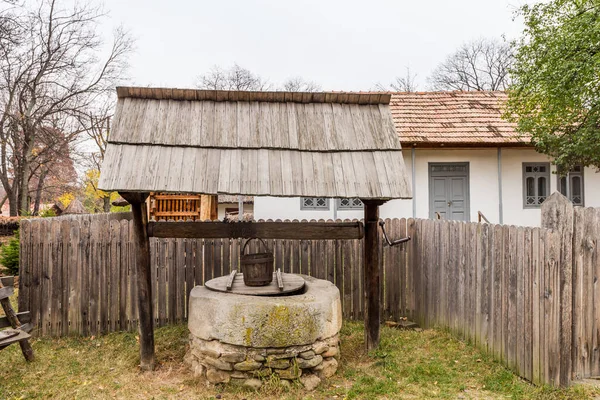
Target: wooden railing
<point x="182" y="207"/>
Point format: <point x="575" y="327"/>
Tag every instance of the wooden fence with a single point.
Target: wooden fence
<point x="529" y="296"/>
<point x="76" y="273"/>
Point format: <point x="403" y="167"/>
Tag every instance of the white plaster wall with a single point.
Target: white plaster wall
<point x="483" y="185"/>
<point x="591" y="187"/>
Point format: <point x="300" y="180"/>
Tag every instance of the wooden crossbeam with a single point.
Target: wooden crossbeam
<point x="24" y="317"/>
<point x="264" y="230"/>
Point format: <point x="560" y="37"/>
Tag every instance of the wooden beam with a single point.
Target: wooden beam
<point x="371" y="274"/>
<point x="141" y="248"/>
<point x="264" y="230"/>
<point x="23" y="317"/>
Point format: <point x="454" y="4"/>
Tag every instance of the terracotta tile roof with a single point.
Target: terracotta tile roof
<point x="453" y="118"/>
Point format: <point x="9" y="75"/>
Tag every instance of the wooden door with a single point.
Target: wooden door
<point x="449" y="191"/>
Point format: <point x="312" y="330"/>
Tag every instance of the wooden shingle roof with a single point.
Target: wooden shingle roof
<point x="453" y="118"/>
<point x="254" y="143"/>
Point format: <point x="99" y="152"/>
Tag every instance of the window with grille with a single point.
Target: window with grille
<point x="350" y="204"/>
<point x="571" y="185"/>
<point x="536" y="184"/>
<point x="314" y="203"/>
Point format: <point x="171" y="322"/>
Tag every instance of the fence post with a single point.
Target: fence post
<point x="557" y="214"/>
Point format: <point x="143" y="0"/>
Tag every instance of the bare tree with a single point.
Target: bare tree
<point x="406" y="83"/>
<point x="299" y="84"/>
<point x="49" y="75"/>
<point x="482" y="64"/>
<point x="233" y="78"/>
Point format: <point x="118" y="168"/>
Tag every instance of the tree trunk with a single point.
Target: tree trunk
<point x="24" y="206"/>
<point x="38" y="192"/>
<point x="106" y="203"/>
<point x="13" y="203"/>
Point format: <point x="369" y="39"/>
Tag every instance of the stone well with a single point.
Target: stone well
<point x="240" y="338"/>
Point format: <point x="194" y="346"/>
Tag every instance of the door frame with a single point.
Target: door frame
<point x="446" y="174"/>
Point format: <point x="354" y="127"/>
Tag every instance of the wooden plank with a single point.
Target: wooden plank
<point x="7" y="280"/>
<point x="536" y="300"/>
<point x="114" y="275"/>
<point x="412" y="281"/>
<point x="505" y="293"/>
<point x="348" y="259"/>
<point x="23" y="316"/>
<point x="594" y="303"/>
<point x="36" y="273"/>
<point x="527" y="352"/>
<point x="75" y="275"/>
<point x="84" y="265"/>
<point x="484" y="287"/>
<point x="103" y="304"/>
<point x="190" y="263"/>
<point x="65" y="230"/>
<point x="265" y="230"/>
<point x="180" y="280"/>
<point x="123" y="274"/>
<point x="496" y="324"/>
<point x="171" y="272"/>
<point x="6" y="292"/>
<point x="520" y="305"/>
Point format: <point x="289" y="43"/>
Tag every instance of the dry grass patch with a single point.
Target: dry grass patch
<point x="409" y="365"/>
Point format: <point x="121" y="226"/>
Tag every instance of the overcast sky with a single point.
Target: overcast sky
<point x="341" y="44"/>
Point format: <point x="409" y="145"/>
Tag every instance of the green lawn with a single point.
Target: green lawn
<point x="409" y="364"/>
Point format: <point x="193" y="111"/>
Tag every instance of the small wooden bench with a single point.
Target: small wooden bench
<point x="19" y="323"/>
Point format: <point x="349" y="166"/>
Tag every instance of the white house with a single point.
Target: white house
<point x="464" y="159"/>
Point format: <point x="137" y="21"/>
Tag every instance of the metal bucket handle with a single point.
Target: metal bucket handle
<point x="248" y="241"/>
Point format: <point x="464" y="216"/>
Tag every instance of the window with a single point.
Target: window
<point x="350" y="204"/>
<point x="571" y="185"/>
<point x="536" y="184"/>
<point x="314" y="203"/>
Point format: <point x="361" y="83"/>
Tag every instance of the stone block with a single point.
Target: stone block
<point x="233" y="357"/>
<point x="248" y="365"/>
<point x="329" y="368"/>
<point x="258" y="357"/>
<point x="217" y="376"/>
<point x="310" y="381"/>
<point x="290" y="373"/>
<point x="332" y="352"/>
<point x="278" y="364"/>
<point x="320" y="347"/>
<point x="253" y="384"/>
<point x="310" y="363"/>
<point x="218" y="363"/>
<point x="240" y="375"/>
<point x="307" y="354"/>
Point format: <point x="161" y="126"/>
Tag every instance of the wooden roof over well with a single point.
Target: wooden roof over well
<point x="255" y="143"/>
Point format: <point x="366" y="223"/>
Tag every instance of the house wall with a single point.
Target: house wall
<point x="248" y="208"/>
<point x="483" y="185"/>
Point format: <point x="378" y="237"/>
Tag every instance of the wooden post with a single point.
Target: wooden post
<point x="141" y="247"/>
<point x="558" y="214"/>
<point x="371" y="274"/>
<point x="209" y="207"/>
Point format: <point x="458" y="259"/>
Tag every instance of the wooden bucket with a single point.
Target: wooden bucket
<point x="257" y="268"/>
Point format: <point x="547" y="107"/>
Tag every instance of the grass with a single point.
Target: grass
<point x="409" y="364"/>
